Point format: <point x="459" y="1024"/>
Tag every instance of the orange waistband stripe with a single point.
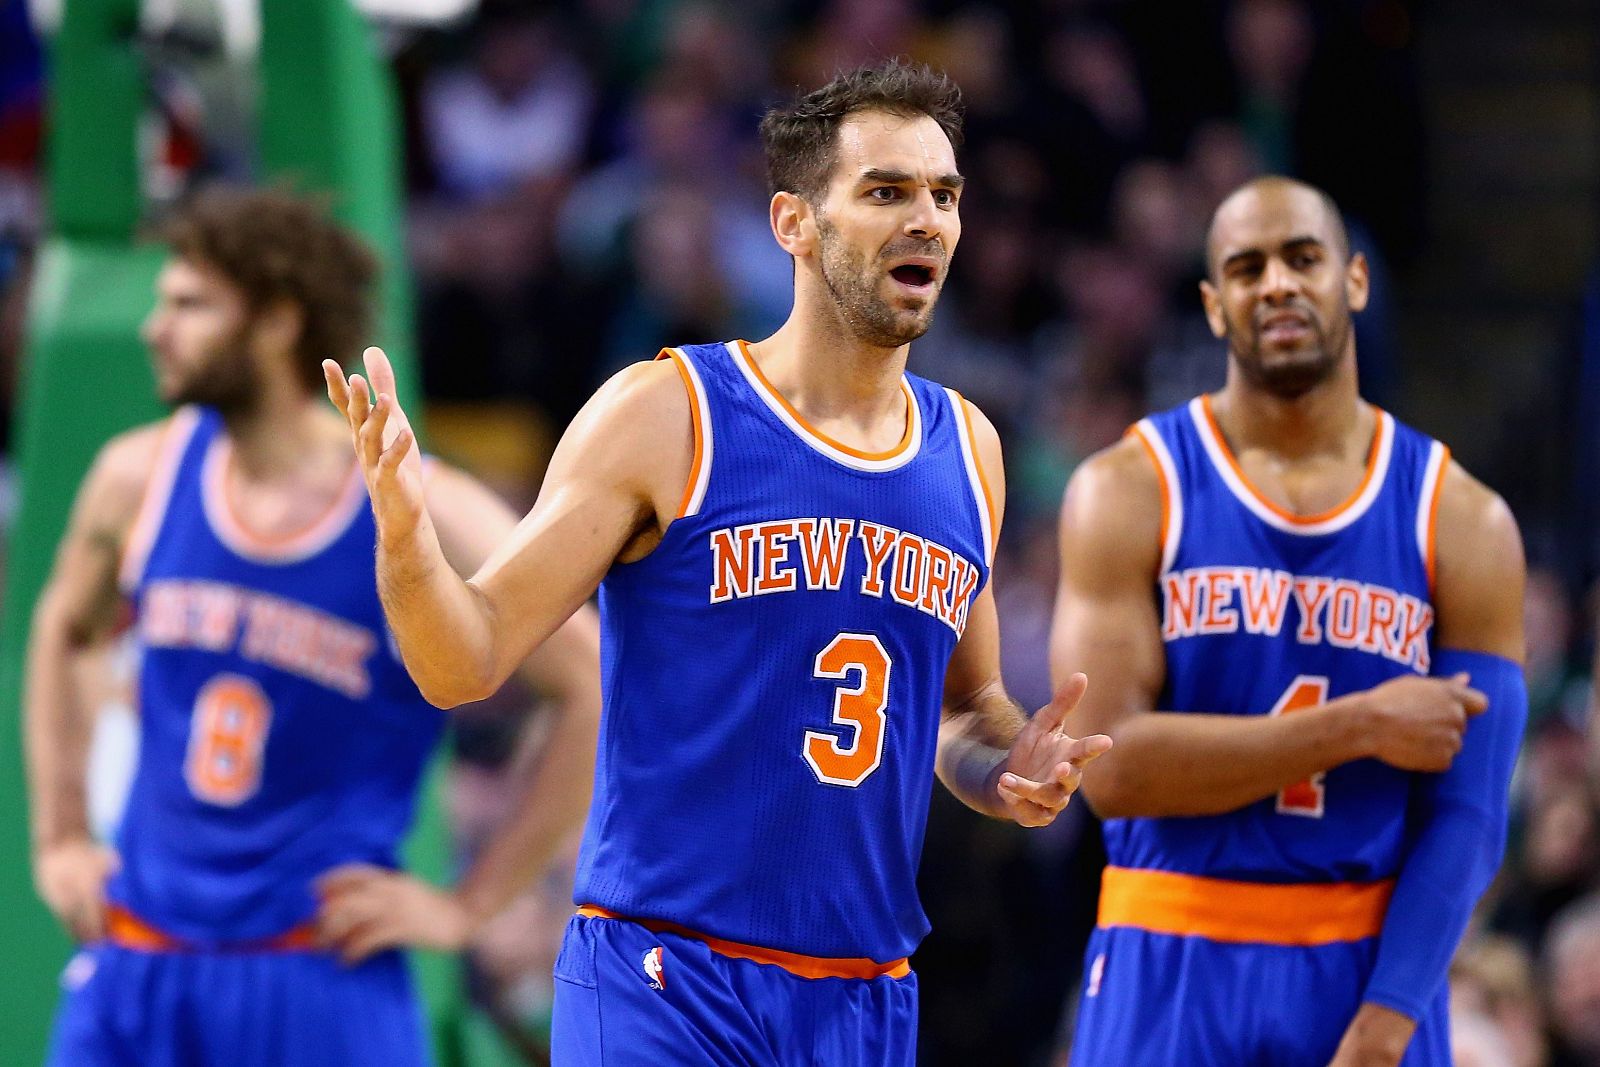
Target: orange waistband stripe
<point x="126" y="930"/>
<point x="793" y="962"/>
<point x="1306" y="913"/>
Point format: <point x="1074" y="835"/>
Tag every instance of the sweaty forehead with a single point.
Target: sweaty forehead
<point x="882" y="141"/>
<point x="1263" y="218"/>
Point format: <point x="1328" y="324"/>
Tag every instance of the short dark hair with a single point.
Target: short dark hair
<point x="274" y="245"/>
<point x="801" y="138"/>
<point x="1340" y="232"/>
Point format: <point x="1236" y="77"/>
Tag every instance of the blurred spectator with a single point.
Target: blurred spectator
<point x="1557" y="862"/>
<point x="1494" y="1007"/>
<point x="1572" y="971"/>
<point x="518" y="112"/>
<point x="1271" y="44"/>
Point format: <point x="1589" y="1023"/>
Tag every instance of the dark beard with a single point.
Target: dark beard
<point x="1295" y="378"/>
<point x="853" y="283"/>
<point x="227" y="380"/>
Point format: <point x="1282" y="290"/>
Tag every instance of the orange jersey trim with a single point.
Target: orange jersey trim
<point x="155" y="497"/>
<point x="793" y="962"/>
<point x="983" y="479"/>
<point x="1188" y="905"/>
<point x="1277" y="509"/>
<point x="126" y="930"/>
<point x="1431" y="556"/>
<point x="1161" y="478"/>
<point x="699" y="429"/>
<point x="875" y="457"/>
<point x="333" y="520"/>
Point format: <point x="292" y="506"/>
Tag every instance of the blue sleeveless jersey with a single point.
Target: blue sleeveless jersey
<point x="279" y="733"/>
<point x="773" y="674"/>
<point x="1265" y="613"/>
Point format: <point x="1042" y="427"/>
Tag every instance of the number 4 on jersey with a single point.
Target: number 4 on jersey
<point x="1305" y="797"/>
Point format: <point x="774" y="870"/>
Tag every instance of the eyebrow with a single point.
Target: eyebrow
<point x="1293" y="242"/>
<point x="901" y="177"/>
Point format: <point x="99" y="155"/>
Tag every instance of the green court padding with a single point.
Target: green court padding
<point x="328" y="124"/>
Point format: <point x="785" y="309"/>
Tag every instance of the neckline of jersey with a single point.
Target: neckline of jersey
<point x="896" y="457"/>
<point x="285" y="548"/>
<point x="1269" y="510"/>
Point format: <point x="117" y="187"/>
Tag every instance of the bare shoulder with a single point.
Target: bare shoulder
<point x="1479" y="568"/>
<point x="1113" y="515"/>
<point x="115" y="485"/>
<point x="642" y="404"/>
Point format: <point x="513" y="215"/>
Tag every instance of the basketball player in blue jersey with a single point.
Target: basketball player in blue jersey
<point x="792" y="540"/>
<point x="281" y="741"/>
<point x="1304" y="622"/>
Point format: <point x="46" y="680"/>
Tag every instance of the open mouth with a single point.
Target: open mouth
<point x="913" y="275"/>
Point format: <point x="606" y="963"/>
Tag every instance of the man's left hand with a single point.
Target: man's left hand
<point x="1044" y="766"/>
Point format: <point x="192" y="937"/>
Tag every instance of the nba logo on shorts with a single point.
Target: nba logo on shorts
<point x="653" y="968"/>
<point x="1097" y="971"/>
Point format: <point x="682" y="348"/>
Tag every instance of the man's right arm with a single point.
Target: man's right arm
<point x="1187" y="763"/>
<point x="78" y="607"/>
<point x="613" y="484"/>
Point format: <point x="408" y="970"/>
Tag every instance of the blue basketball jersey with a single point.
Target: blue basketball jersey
<point x="1266" y="613"/>
<point x="279" y="733"/>
<point x="773" y="674"/>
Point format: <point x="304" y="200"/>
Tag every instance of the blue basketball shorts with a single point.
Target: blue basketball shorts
<point x="627" y="995"/>
<point x="124" y="1007"/>
<point x="1162" y="1000"/>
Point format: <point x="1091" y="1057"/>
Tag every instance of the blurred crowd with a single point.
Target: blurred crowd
<point x="585" y="185"/>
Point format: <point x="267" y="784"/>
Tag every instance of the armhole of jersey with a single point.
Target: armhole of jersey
<point x="1428" y="507"/>
<point x="694" y="493"/>
<point x="1171" y="489"/>
<point x="981" y="495"/>
<point x="157" y="493"/>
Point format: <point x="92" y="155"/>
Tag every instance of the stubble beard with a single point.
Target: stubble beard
<point x="853" y="281"/>
<point x="1292" y="378"/>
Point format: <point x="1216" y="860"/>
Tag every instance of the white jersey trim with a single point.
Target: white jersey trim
<point x="969" y="459"/>
<point x="1171" y="491"/>
<point x="1226" y="467"/>
<point x="152" y="514"/>
<point x="1427" y="506"/>
<point x="244" y="542"/>
<point x="700" y="476"/>
<point x="902" y="455"/>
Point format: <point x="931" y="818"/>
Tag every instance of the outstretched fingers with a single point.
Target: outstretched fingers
<point x="338" y="388"/>
<point x="380" y="370"/>
<point x="1054" y="714"/>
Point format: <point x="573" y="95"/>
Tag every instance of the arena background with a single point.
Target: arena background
<point x="559" y="189"/>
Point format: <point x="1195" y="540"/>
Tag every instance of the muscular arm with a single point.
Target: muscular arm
<point x="991" y="755"/>
<point x="1478" y="599"/>
<point x="565" y="669"/>
<point x="1106" y="624"/>
<point x="77" y="608"/>
<point x="614" y="483"/>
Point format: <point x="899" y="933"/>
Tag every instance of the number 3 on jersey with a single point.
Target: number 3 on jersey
<point x="861" y="707"/>
<point x="1304" y="797"/>
<point x="227" y="736"/>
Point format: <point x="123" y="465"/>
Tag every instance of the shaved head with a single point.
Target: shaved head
<point x="1247" y="200"/>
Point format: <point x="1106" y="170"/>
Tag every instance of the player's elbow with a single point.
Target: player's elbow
<point x="450" y="690"/>
<point x="1110" y="793"/>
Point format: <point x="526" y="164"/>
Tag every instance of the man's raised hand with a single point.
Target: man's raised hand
<point x="383" y="440"/>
